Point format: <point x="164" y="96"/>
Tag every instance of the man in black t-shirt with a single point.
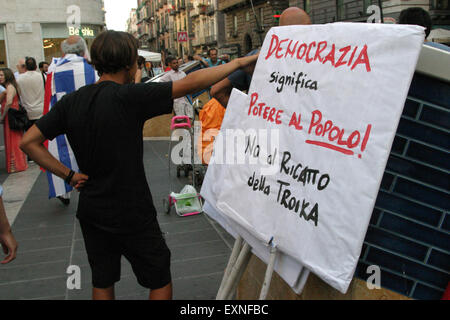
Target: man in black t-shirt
<point x="104" y="124"/>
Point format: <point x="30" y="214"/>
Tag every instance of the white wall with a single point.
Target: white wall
<point x="35" y="12"/>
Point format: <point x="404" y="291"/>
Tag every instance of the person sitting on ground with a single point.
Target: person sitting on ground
<point x="104" y="124"/>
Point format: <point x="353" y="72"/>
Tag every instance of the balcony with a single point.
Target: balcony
<point x="198" y="41"/>
<point x="439" y="5"/>
<point x="227" y="5"/>
<point x="194" y="13"/>
<point x="211" y="39"/>
<point x="210" y="10"/>
<point x="182" y="5"/>
<point x="202" y="9"/>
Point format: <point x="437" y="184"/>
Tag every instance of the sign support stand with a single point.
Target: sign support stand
<point x="269" y="272"/>
<point x="237" y="264"/>
<point x="234" y="254"/>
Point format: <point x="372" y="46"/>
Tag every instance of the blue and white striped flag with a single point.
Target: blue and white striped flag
<point x="67" y="74"/>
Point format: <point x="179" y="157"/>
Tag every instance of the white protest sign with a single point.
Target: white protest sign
<point x="288" y="268"/>
<point x="334" y="93"/>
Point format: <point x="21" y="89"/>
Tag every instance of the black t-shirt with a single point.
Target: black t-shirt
<point x="104" y="123"/>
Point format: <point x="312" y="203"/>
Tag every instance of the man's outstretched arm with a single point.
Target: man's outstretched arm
<point x="204" y="78"/>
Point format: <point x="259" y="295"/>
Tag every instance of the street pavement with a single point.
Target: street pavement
<point x="50" y="240"/>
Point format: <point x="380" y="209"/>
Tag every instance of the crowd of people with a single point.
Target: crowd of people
<point x="100" y="122"/>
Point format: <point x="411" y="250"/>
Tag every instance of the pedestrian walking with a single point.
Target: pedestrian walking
<point x="43" y="67"/>
<point x="212" y="61"/>
<point x="31" y="86"/>
<point x="15" y="159"/>
<point x="181" y="106"/>
<point x="66" y="75"/>
<point x="21" y="68"/>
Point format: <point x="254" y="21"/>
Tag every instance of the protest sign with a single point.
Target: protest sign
<point x="288" y="268"/>
<point x="333" y="95"/>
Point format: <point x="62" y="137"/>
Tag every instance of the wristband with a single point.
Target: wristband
<point x="69" y="177"/>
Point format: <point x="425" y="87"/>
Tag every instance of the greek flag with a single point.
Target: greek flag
<point x="66" y="74"/>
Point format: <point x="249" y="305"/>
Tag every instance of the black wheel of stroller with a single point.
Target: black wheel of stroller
<point x="198" y="180"/>
<point x="178" y="171"/>
<point x="166" y="206"/>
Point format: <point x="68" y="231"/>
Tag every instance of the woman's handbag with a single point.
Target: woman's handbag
<point x="18" y="119"/>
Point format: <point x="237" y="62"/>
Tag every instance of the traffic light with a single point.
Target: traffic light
<point x="276" y="17"/>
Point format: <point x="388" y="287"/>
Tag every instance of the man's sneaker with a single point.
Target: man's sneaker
<point x="65" y="201"/>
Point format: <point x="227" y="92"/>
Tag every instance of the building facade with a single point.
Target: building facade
<point x="155" y="25"/>
<point x="160" y="21"/>
<point x="325" y="11"/>
<point x="208" y="26"/>
<point x="132" y="27"/>
<point x="28" y="30"/>
<point x="246" y="26"/>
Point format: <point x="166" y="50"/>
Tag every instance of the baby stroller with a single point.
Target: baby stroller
<point x="188" y="202"/>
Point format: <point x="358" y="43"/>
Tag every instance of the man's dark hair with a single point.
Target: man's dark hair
<point x="113" y="51"/>
<point x="30" y="63"/>
<point x="169" y="59"/>
<point x="211" y="49"/>
<point x="41" y="64"/>
<point x="417" y="16"/>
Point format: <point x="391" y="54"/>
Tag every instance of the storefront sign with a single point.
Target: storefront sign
<point x="85" y="32"/>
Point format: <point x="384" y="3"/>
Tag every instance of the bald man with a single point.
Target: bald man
<point x="21" y="68"/>
<point x="240" y="79"/>
<point x="294" y="16"/>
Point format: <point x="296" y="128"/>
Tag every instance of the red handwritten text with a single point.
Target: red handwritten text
<point x="334" y="134"/>
<point x="270" y="114"/>
<point x="320" y="52"/>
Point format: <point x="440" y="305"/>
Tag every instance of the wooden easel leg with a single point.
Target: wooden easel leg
<point x="269" y="273"/>
<point x="235" y="270"/>
<point x="239" y="277"/>
<point x="231" y="261"/>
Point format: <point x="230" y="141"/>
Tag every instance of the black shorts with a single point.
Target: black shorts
<point x="146" y="251"/>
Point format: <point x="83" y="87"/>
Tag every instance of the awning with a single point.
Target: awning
<point x="150" y="56"/>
